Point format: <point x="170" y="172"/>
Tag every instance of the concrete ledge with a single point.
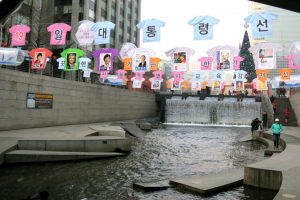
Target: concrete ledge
<point x="86" y="144"/>
<point x="209" y="184"/>
<point x="23" y="156"/>
<point x="107" y="131"/>
<point x="269" y="173"/>
<point x="6" y="146"/>
<point x="290" y="185"/>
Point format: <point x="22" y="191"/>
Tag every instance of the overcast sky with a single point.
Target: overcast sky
<point x="176" y="13"/>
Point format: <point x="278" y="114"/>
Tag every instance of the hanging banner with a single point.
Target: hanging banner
<point x="71" y="58"/>
<point x="121" y="73"/>
<point x="18" y="34"/>
<point x="206" y="63"/>
<point x="61" y="63"/>
<point x="217" y="85"/>
<point x="180" y="58"/>
<point x="158" y="75"/>
<point x="141" y="59"/>
<point x="177" y="76"/>
<point x="87" y="73"/>
<point x="203" y="27"/>
<point x="261" y="24"/>
<point x="239" y="85"/>
<point x="151" y="29"/>
<point x="223" y="56"/>
<point x="285" y="74"/>
<point x="294" y="56"/>
<point x="103" y="74"/>
<point x="125" y="49"/>
<point x="138" y="79"/>
<point x="127" y="64"/>
<point x="237" y="62"/>
<point x="84" y="63"/>
<point x="262" y="75"/>
<point x="58" y="33"/>
<point x="240" y="75"/>
<point x="198" y="76"/>
<point x="82" y="33"/>
<point x="265" y="55"/>
<point x="39" y="58"/>
<point x="186" y="84"/>
<point x="102" y="32"/>
<point x="105" y="59"/>
<point x="195" y="85"/>
<point x="261" y="85"/>
<point x="154" y="63"/>
<point x="218" y="75"/>
<point x="11" y="56"/>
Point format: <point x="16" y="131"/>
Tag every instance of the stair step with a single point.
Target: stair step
<point x="22" y="156"/>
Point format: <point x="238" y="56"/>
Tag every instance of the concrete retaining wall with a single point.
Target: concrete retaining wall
<point x="74" y="102"/>
<point x="294" y="100"/>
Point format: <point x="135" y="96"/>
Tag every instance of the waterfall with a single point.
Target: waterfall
<point x="211" y="111"/>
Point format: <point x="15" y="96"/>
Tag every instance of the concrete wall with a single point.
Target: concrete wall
<point x="295" y="103"/>
<point x="74" y="102"/>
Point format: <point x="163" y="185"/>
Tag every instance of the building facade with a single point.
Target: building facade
<point x="286" y="29"/>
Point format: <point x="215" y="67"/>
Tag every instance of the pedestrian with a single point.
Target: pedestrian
<point x="246" y="92"/>
<point x="229" y="92"/>
<point x="276" y="129"/>
<point x="283" y="91"/>
<point x="272" y="98"/>
<point x="265" y="119"/>
<point x="255" y="125"/>
<point x="274" y="107"/>
<point x="286" y="114"/>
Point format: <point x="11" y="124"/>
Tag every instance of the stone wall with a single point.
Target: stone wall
<point x="295" y="103"/>
<point x="73" y="102"/>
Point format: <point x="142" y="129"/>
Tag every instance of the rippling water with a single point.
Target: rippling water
<point x="162" y="154"/>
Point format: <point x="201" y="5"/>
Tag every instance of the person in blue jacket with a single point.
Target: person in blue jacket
<point x="276" y="129"/>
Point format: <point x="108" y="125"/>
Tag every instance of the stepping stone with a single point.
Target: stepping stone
<point x="152" y="186"/>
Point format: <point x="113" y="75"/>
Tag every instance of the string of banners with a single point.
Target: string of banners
<point x="213" y="69"/>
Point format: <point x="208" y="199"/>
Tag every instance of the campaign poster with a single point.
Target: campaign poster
<point x="141" y="62"/>
<point x="217" y="85"/>
<point x="105" y="61"/>
<point x="71" y="61"/>
<point x="239" y="85"/>
<point x="39" y="60"/>
<point x="223" y="60"/>
<point x="266" y="59"/>
<point x="176" y="85"/>
<point x="180" y="61"/>
<point x="155" y="85"/>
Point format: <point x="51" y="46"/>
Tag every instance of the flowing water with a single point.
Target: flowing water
<point x="212" y="111"/>
<point x="163" y="154"/>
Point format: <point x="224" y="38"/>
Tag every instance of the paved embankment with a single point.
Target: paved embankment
<point x="279" y="172"/>
<point x="64" y="142"/>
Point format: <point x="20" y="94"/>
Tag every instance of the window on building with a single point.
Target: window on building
<point x="91" y="14"/>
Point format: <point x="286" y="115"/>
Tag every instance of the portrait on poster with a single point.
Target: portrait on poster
<point x="266" y="59"/>
<point x="105" y="61"/>
<point x="71" y="60"/>
<point x="39" y="60"/>
<point x="223" y="60"/>
<point x="137" y="84"/>
<point x="239" y="85"/>
<point x="142" y="62"/>
<point x="156" y="85"/>
<point x="176" y="85"/>
<point x="180" y="61"/>
<point x="217" y="85"/>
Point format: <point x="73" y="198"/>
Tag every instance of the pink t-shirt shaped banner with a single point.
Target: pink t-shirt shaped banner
<point x="58" y="33"/>
<point x="18" y="34"/>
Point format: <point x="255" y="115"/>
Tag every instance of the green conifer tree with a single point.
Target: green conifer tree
<point x="248" y="63"/>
